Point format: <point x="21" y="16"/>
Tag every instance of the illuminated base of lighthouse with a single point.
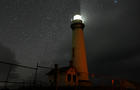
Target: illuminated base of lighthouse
<point x="85" y="83"/>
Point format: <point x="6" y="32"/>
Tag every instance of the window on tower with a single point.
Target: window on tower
<point x="73" y="52"/>
<point x="69" y="77"/>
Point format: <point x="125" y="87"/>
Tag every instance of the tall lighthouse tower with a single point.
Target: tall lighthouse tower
<point x="79" y="59"/>
<point x="76" y="74"/>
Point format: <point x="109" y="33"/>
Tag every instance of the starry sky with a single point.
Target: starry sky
<point x="34" y="31"/>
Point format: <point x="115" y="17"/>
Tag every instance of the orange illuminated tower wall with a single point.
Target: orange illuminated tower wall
<point x="78" y="51"/>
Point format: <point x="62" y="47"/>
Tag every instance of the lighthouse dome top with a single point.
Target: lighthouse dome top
<point x="77" y="18"/>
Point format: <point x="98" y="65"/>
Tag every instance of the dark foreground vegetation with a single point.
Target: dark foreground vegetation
<point x="71" y="88"/>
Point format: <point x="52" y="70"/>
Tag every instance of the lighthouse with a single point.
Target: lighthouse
<point x="79" y="60"/>
<point x="76" y="73"/>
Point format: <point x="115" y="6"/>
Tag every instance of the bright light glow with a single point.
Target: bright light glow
<point x="77" y="17"/>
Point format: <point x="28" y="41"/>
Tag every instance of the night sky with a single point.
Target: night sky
<point x="34" y="31"/>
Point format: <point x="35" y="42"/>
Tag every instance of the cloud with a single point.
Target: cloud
<point x="112" y="39"/>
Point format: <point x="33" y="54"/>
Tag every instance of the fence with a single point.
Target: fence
<point x="34" y="82"/>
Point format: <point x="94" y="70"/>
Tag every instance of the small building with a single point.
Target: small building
<point x="64" y="76"/>
<point x="127" y="84"/>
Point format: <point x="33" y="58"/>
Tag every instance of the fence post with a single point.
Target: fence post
<point x="8" y="74"/>
<point x="56" y="76"/>
<point x="35" y="77"/>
